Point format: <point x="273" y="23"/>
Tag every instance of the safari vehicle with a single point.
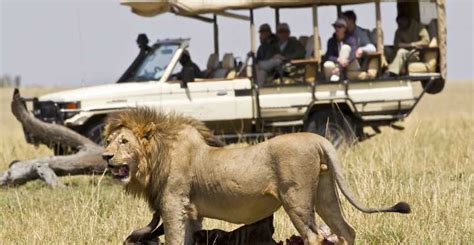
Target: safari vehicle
<point x="233" y="104"/>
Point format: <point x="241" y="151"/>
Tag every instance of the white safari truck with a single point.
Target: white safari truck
<point x="230" y="100"/>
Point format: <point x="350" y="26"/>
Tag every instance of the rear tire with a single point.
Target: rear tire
<point x="435" y="87"/>
<point x="335" y="126"/>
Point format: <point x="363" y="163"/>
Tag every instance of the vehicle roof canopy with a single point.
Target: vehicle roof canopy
<point x="150" y="8"/>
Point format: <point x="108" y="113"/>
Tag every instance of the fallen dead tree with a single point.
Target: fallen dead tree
<point x="86" y="160"/>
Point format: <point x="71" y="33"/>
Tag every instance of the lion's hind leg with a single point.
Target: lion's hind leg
<point x="329" y="209"/>
<point x="298" y="203"/>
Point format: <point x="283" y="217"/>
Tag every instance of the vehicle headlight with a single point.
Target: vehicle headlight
<point x="72" y="105"/>
<point x="45" y="110"/>
<point x="69" y="109"/>
<point x="50" y="111"/>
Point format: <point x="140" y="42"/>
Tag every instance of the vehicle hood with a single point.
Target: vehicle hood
<point x="103" y="92"/>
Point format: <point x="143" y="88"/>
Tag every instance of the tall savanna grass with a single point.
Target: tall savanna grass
<point x="429" y="165"/>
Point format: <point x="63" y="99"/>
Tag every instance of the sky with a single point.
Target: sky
<point x="81" y="43"/>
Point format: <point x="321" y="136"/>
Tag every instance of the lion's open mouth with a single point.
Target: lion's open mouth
<point x="120" y="171"/>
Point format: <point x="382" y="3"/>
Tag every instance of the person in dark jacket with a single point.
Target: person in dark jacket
<point x="268" y="43"/>
<point x="340" y="52"/>
<point x="290" y="48"/>
<point x="285" y="50"/>
<point x="188" y="64"/>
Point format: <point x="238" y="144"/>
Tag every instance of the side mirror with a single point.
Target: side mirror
<point x="187" y="75"/>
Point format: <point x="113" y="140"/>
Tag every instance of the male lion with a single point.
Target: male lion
<point x="169" y="160"/>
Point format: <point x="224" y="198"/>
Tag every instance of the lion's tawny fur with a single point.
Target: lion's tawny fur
<point x="175" y="167"/>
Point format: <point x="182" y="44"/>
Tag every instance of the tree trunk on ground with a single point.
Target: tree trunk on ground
<point x="87" y="160"/>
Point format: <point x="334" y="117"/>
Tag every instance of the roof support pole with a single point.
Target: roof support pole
<point x="216" y="35"/>
<point x="378" y="26"/>
<point x="253" y="33"/>
<point x="440" y="5"/>
<point x="339" y="11"/>
<point x="277" y="17"/>
<point x="316" y="44"/>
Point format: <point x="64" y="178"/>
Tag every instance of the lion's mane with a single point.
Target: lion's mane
<point x="156" y="131"/>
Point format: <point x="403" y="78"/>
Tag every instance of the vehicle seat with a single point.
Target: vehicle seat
<point x="310" y="46"/>
<point x="428" y="56"/>
<point x="370" y="68"/>
<point x="303" y="40"/>
<point x="228" y="67"/>
<point x="212" y="65"/>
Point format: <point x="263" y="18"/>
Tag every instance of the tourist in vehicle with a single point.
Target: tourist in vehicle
<point x="187" y="63"/>
<point x="340" y="52"/>
<point x="290" y="48"/>
<point x="287" y="49"/>
<point x="268" y="43"/>
<point x="409" y="35"/>
<point x="364" y="45"/>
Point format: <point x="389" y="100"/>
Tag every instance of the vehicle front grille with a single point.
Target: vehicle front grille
<point x="46" y="111"/>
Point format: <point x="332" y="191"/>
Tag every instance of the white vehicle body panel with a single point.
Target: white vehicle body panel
<point x="216" y="100"/>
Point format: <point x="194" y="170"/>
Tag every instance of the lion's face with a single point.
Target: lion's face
<point x="121" y="154"/>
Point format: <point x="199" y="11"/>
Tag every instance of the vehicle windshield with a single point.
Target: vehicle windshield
<point x="156" y="62"/>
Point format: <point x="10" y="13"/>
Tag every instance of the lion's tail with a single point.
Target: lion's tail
<point x="401" y="207"/>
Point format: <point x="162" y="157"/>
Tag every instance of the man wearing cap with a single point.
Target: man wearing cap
<point x="290" y="48"/>
<point x="284" y="50"/>
<point x="410" y="34"/>
<point x="364" y="45"/>
<point x="340" y="52"/>
<point x="268" y="43"/>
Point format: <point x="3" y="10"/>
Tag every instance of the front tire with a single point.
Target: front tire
<point x="335" y="126"/>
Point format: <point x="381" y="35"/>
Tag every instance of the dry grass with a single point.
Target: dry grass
<point x="428" y="165"/>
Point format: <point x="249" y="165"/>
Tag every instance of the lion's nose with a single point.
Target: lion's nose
<point x="107" y="156"/>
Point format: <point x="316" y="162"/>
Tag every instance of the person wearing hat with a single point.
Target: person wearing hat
<point x="340" y="52"/>
<point x="188" y="64"/>
<point x="410" y="34"/>
<point x="290" y="48"/>
<point x="268" y="43"/>
<point x="284" y="50"/>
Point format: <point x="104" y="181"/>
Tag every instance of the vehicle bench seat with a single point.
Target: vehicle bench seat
<point x="227" y="69"/>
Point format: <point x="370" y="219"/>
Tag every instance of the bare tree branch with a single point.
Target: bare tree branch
<point x="47" y="131"/>
<point x="88" y="159"/>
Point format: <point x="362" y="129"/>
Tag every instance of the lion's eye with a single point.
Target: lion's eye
<point x="124" y="141"/>
<point x="107" y="141"/>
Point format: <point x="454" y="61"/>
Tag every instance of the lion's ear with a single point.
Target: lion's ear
<point x="148" y="131"/>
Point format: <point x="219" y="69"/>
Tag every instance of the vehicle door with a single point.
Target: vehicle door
<point x="214" y="101"/>
<point x="284" y="101"/>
